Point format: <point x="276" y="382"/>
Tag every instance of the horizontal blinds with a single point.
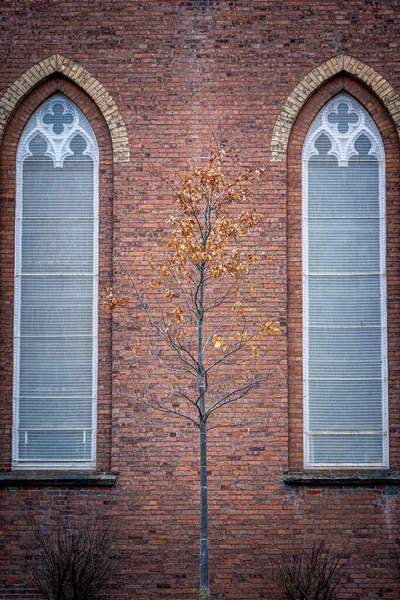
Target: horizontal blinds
<point x="55" y="319"/>
<point x="344" y="328"/>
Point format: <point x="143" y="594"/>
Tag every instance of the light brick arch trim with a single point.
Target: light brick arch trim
<point x="76" y="73"/>
<point x="313" y="80"/>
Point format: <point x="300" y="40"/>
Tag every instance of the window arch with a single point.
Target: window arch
<point x="344" y="289"/>
<point x="55" y="318"/>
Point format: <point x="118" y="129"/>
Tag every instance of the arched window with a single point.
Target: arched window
<point x="344" y="289"/>
<point x="55" y="323"/>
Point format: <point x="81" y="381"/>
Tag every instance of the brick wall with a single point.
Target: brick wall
<point x="173" y="69"/>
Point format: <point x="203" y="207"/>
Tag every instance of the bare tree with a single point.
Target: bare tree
<point x="73" y="561"/>
<point x="313" y="573"/>
<point x="393" y="564"/>
<point x="201" y="331"/>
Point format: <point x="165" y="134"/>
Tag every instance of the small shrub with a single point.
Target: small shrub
<point x="309" y="574"/>
<point x="393" y="564"/>
<point x="72" y="562"/>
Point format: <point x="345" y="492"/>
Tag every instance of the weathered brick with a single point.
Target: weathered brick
<point x="156" y="76"/>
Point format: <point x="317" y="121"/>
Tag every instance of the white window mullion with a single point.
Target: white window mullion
<point x="17" y="305"/>
<point x="95" y="318"/>
<point x="385" y="383"/>
<point x="305" y="283"/>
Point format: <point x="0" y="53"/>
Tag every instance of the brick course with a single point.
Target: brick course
<point x="175" y="68"/>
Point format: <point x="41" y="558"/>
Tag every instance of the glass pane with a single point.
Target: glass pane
<point x="346" y="449"/>
<point x="54" y="446"/>
<point x="351" y="191"/>
<point x="348" y="301"/>
<point x="55" y="413"/>
<point x="330" y="409"/>
<point x="58" y="192"/>
<point x="345" y="344"/>
<point x="57" y="246"/>
<point x="56" y="366"/>
<point x="56" y="305"/>
<point x="344" y="245"/>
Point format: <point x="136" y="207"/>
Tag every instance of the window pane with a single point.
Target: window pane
<point x="56" y="366"/>
<point x="66" y="192"/>
<point x="344" y="246"/>
<point x="346" y="449"/>
<point x="351" y="191"/>
<point x="53" y="413"/>
<point x="57" y="245"/>
<point x="354" y="301"/>
<point x="56" y="305"/>
<point x="55" y="446"/>
<point x="330" y="409"/>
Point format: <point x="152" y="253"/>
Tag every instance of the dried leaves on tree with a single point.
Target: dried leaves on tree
<point x="199" y="317"/>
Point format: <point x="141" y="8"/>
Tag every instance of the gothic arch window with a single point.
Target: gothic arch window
<point x="55" y="319"/>
<point x="344" y="289"/>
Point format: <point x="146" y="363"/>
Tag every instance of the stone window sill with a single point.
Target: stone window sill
<point x="333" y="477"/>
<point x="37" y="478"/>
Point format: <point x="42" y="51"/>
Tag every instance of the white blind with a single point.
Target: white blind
<point x="345" y="364"/>
<point x="55" y="325"/>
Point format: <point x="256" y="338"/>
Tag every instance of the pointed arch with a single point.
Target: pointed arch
<point x="73" y="71"/>
<point x="290" y="174"/>
<point x="313" y="80"/>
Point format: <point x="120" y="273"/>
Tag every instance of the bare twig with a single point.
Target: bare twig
<point x="195" y="315"/>
<point x="393" y="564"/>
<point x="72" y="562"/>
<point x="312" y="573"/>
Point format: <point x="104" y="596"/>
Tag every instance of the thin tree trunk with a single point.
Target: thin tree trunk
<point x="204" y="592"/>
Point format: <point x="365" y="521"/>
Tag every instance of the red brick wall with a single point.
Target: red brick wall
<point x="175" y="69"/>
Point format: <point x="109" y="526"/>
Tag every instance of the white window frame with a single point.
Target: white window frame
<point x="58" y="149"/>
<point x="343" y="148"/>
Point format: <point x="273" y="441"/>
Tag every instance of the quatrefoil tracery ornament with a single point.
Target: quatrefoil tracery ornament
<point x="58" y="122"/>
<point x="343" y="121"/>
<point x="59" y="117"/>
<point x="343" y="117"/>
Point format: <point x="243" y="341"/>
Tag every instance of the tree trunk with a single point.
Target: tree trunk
<point x="204" y="591"/>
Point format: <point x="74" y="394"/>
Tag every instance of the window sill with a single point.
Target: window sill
<point x="335" y="477"/>
<point x="38" y="478"/>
